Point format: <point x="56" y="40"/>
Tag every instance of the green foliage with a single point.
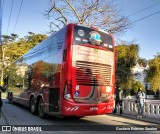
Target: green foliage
<point x="35" y="38"/>
<point x="16" y="79"/>
<point x="5" y="38"/>
<point x="142" y="62"/>
<point x="126" y="56"/>
<point x="135" y="86"/>
<point x="15" y="49"/>
<point x="153" y="75"/>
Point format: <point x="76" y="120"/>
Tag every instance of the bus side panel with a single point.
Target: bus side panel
<point x="38" y="71"/>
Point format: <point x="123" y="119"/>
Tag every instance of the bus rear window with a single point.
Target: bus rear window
<point x="84" y="35"/>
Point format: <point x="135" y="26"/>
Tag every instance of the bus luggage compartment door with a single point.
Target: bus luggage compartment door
<point x="54" y="95"/>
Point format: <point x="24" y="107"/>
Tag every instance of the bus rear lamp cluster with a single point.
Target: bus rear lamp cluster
<point x="67" y="96"/>
<point x="68" y="92"/>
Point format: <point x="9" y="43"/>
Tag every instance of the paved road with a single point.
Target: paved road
<point x="18" y="115"/>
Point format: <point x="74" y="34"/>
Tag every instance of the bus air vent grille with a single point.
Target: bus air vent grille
<point x="93" y="74"/>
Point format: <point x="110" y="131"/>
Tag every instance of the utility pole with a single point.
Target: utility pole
<point x="1" y="10"/>
<point x="1" y="20"/>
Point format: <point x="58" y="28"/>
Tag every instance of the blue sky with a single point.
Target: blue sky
<point x="31" y="17"/>
<point x="145" y="32"/>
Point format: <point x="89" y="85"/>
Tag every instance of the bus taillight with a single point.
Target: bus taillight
<point x="68" y="91"/>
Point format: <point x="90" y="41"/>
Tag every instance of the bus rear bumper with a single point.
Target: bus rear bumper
<point x="76" y="109"/>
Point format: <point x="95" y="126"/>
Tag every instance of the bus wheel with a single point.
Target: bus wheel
<point x="41" y="113"/>
<point x="33" y="106"/>
<point x="11" y="100"/>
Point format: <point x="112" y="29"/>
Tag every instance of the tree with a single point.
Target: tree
<point x="153" y="74"/>
<point x="157" y="54"/>
<point x="23" y="45"/>
<point x="126" y="56"/>
<point x="34" y="39"/>
<point x="13" y="37"/>
<point x="12" y="49"/>
<point x="142" y="62"/>
<point x="9" y="38"/>
<point x="101" y="13"/>
<point x="5" y="42"/>
<point x="135" y="86"/>
<point x="5" y="38"/>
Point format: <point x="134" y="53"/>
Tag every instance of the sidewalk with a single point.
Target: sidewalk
<point x="147" y="119"/>
<point x="3" y="120"/>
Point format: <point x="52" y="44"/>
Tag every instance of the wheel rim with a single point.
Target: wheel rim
<point x="32" y="106"/>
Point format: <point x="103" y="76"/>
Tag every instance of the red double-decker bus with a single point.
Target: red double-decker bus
<point x="71" y="73"/>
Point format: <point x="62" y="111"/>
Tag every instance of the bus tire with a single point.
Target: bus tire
<point x="11" y="100"/>
<point x="41" y="108"/>
<point x="33" y="106"/>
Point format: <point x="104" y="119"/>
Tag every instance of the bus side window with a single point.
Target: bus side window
<point x="64" y="54"/>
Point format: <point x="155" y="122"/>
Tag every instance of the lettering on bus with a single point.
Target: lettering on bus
<point x="93" y="108"/>
<point x="92" y="55"/>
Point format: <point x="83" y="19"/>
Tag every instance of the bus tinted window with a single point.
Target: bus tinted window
<point x="84" y="35"/>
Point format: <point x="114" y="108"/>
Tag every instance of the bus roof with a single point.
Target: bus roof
<point x="90" y="26"/>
